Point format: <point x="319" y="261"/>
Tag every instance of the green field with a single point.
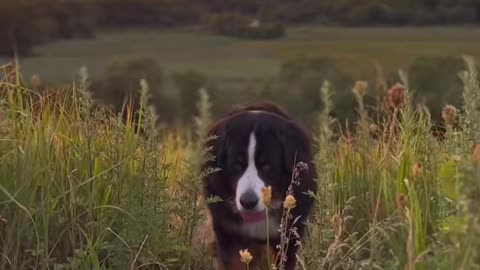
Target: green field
<point x="356" y="50"/>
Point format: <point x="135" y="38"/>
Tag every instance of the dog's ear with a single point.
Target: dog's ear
<point x="296" y="146"/>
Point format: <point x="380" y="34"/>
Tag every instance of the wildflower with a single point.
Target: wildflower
<point x="417" y="170"/>
<point x="299" y="168"/>
<point x="396" y="96"/>
<point x="245" y="256"/>
<point x="360" y="88"/>
<point x="401" y="200"/>
<point x="302" y="166"/>
<point x="289" y="202"/>
<point x="449" y="115"/>
<point x="476" y="155"/>
<point x="266" y="195"/>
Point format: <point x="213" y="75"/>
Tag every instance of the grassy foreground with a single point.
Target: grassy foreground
<point x="81" y="188"/>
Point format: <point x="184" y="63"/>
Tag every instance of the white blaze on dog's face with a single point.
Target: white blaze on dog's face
<point x="249" y="185"/>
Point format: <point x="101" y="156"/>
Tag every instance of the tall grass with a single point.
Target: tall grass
<point x="84" y="188"/>
<point x="392" y="202"/>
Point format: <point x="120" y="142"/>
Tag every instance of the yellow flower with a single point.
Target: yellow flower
<point x="360" y="88"/>
<point x="289" y="202"/>
<point x="266" y="195"/>
<point x="245" y="256"/>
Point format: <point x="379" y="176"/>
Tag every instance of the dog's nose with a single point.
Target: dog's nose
<point x="249" y="200"/>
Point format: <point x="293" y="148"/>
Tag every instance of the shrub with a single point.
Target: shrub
<point x="435" y="82"/>
<point x="373" y="13"/>
<point x="297" y="88"/>
<point x="228" y="24"/>
<point x="15" y="30"/>
<point x="122" y="80"/>
<point x="47" y="20"/>
<point x="44" y="29"/>
<point x="147" y="12"/>
<point x="75" y="19"/>
<point x="458" y="14"/>
<point x="299" y="11"/>
<point x="264" y="31"/>
<point x="240" y="26"/>
<point x="300" y="80"/>
<point x="188" y="84"/>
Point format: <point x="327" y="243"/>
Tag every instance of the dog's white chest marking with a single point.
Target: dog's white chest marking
<point x="250" y="180"/>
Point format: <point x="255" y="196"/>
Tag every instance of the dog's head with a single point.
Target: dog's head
<point x="254" y="147"/>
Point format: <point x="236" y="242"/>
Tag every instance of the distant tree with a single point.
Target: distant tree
<point x="122" y="81"/>
<point x="237" y="25"/>
<point x="435" y="82"/>
<point x="300" y="80"/>
<point x="25" y="23"/>
<point x="188" y="83"/>
<point x="150" y="13"/>
<point x="16" y="31"/>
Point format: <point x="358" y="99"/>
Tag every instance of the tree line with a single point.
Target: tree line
<point x="25" y="23"/>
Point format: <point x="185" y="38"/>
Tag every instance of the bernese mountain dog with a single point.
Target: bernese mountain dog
<point x="255" y="147"/>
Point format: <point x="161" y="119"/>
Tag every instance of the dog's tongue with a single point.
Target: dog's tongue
<point x="252" y="217"/>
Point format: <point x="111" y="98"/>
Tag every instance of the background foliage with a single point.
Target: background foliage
<point x="53" y="19"/>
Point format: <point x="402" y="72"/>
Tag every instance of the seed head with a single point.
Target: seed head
<point x="417" y="170"/>
<point x="245" y="256"/>
<point x="266" y="195"/>
<point x="476" y="155"/>
<point x="401" y="200"/>
<point x="289" y="202"/>
<point x="360" y="88"/>
<point x="337" y="222"/>
<point x="396" y="96"/>
<point x="302" y="166"/>
<point x="449" y="115"/>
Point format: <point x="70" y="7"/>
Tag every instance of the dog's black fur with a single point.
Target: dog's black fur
<point x="281" y="144"/>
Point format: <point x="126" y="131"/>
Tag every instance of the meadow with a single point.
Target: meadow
<point x="355" y="50"/>
<point x="83" y="188"/>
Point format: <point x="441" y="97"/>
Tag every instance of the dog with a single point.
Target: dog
<point x="254" y="147"/>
